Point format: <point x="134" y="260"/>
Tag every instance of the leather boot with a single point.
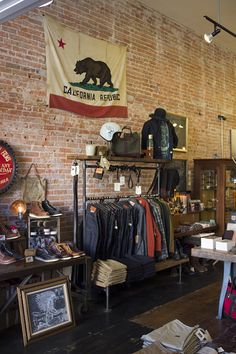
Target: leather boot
<point x="176" y="255"/>
<point x="181" y="251"/>
<point x="36" y="211"/>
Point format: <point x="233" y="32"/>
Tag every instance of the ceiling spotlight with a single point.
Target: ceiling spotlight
<point x="217" y="28"/>
<point x="47" y="3"/>
<point x="209" y="36"/>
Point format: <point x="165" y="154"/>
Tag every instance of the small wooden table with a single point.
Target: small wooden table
<point x="24" y="270"/>
<point x="228" y="259"/>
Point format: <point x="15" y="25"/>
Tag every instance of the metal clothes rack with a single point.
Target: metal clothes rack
<point x="87" y="165"/>
<point x="118" y="197"/>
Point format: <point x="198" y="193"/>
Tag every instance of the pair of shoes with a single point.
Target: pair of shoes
<point x="4" y="259"/>
<point x="188" y="270"/>
<point x="37" y="211"/>
<point x="50" y="208"/>
<point x="180" y="248"/>
<point x="44" y="255"/>
<point x="194" y="261"/>
<point x="176" y="255"/>
<point x="9" y="234"/>
<point x="70" y="252"/>
<point x="74" y="248"/>
<point x="58" y="250"/>
<point x="178" y="252"/>
<point x="10" y="253"/>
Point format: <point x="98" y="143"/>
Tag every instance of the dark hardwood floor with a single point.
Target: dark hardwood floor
<point x="100" y="332"/>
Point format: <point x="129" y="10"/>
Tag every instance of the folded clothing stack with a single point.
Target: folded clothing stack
<point x="176" y="337"/>
<point x="138" y="267"/>
<point x="108" y="272"/>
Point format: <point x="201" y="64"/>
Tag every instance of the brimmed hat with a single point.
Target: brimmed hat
<point x="159" y="112"/>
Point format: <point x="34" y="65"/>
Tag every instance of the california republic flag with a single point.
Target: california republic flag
<point x="84" y="75"/>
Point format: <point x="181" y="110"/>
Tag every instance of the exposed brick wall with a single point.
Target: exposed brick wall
<point x="168" y="65"/>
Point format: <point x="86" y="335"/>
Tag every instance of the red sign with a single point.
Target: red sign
<point x="8" y="166"/>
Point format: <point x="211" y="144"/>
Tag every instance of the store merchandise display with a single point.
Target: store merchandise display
<point x="6" y="259"/>
<point x="177" y="337"/>
<point x="8" y="232"/>
<point x="50" y="208"/>
<point x="109" y="272"/>
<point x="10" y="253"/>
<point x="138" y="267"/>
<point x="37" y="211"/>
<point x="48" y="250"/>
<point x="43" y="209"/>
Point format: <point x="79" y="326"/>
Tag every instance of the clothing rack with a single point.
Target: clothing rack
<point x="93" y="162"/>
<point x="118" y="197"/>
<point x="86" y="165"/>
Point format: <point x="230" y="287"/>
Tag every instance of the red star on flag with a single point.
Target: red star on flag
<point x="61" y="43"/>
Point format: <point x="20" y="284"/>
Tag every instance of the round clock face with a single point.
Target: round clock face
<point x="8" y="166"/>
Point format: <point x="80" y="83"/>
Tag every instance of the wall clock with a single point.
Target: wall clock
<point x="8" y="166"/>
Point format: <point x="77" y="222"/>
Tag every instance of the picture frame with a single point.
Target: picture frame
<point x="182" y="167"/>
<point x="180" y="124"/>
<point x="45" y="308"/>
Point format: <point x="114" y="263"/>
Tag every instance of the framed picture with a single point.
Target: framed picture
<point x="45" y="308"/>
<point x="182" y="168"/>
<point x="181" y="128"/>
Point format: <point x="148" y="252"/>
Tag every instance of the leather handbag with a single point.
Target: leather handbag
<point x="33" y="187"/>
<point x="229" y="308"/>
<point x="126" y="143"/>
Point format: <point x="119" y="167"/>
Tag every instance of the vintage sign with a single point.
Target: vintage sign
<point x="8" y="166"/>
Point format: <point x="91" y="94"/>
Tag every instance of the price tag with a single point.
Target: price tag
<point x="117" y="187"/>
<point x="138" y="190"/>
<point x="122" y="180"/>
<point x="74" y="170"/>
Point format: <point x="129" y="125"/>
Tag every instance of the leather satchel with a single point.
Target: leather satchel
<point x="33" y="187"/>
<point x="126" y="144"/>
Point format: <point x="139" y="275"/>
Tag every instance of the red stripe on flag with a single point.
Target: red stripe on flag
<point x="60" y="102"/>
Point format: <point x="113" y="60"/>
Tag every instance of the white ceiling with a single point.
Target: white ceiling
<point x="190" y="14"/>
<point x="186" y="12"/>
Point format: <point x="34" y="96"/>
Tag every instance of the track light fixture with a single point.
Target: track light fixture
<point x="217" y="28"/>
<point x="209" y="36"/>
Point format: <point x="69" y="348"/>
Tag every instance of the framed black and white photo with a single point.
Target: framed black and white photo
<point x="45" y="308"/>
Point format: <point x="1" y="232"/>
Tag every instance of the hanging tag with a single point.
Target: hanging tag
<point x="104" y="162"/>
<point x="110" y="179"/>
<point x="122" y="180"/>
<point x="74" y="170"/>
<point x="98" y="173"/>
<point x="138" y="190"/>
<point x="117" y="187"/>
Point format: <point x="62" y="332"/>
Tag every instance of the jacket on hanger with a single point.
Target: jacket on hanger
<point x="164" y="135"/>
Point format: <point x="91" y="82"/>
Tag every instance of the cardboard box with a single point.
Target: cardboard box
<point x="209" y="242"/>
<point x="224" y="245"/>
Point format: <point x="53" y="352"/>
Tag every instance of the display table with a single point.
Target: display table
<point x="228" y="259"/>
<point x="24" y="270"/>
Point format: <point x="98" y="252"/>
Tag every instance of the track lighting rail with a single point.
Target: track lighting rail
<point x="218" y="25"/>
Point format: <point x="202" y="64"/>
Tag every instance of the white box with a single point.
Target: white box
<point x="231" y="226"/>
<point x="209" y="242"/>
<point x="224" y="245"/>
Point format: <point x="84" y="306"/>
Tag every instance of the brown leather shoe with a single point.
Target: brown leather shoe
<point x="4" y="230"/>
<point x="4" y="259"/>
<point x="36" y="211"/>
<point x="69" y="251"/>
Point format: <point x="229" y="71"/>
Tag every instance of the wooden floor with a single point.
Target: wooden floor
<point x="136" y="310"/>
